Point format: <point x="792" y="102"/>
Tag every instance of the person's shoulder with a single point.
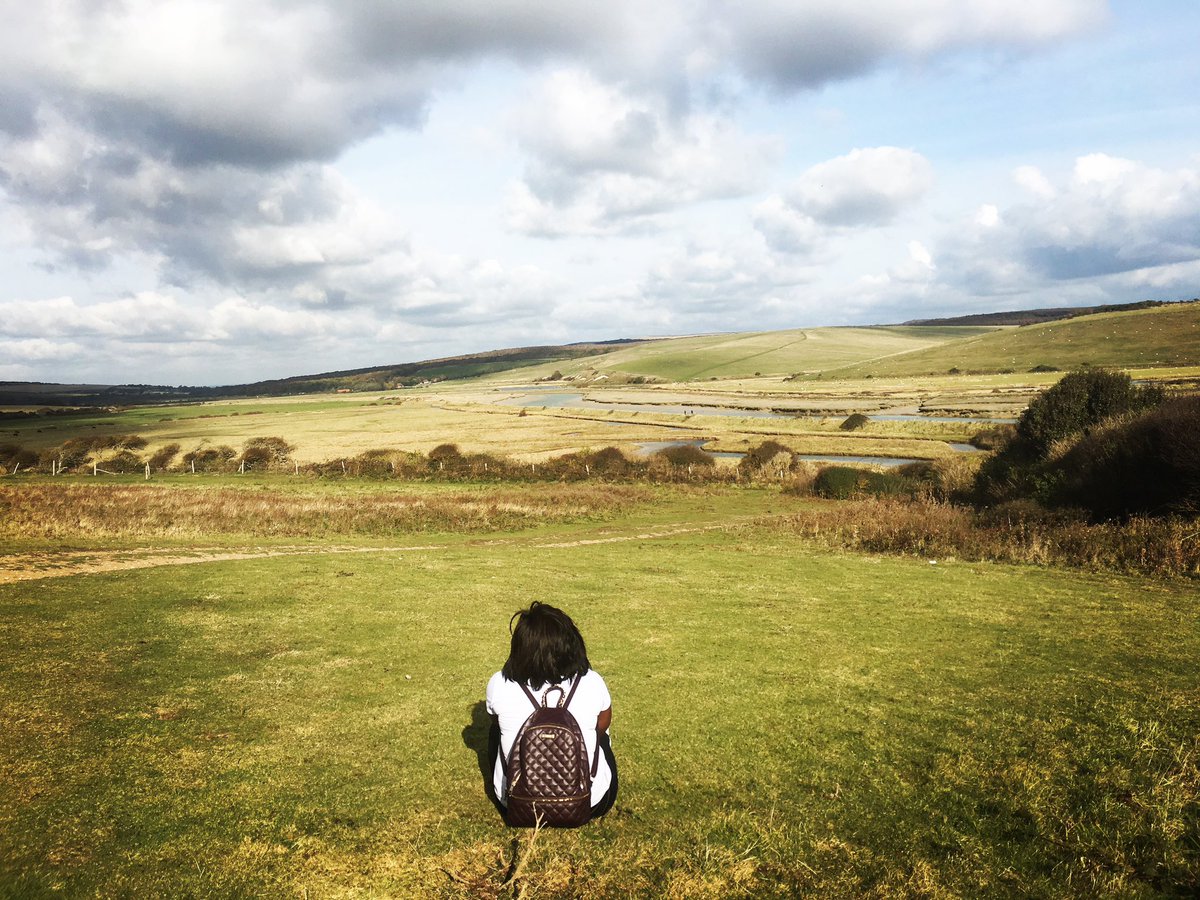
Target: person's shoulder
<point x="495" y="683"/>
<point x="594" y="682"/>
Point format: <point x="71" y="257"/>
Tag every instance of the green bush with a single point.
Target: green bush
<point x="1080" y="400"/>
<point x="838" y="482"/>
<point x="1146" y="464"/>
<point x="1067" y="410"/>
<point x="854" y="422"/>
<point x="845" y="482"/>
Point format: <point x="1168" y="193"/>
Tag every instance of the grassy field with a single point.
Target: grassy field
<point x="745" y="354"/>
<point x="788" y="721"/>
<point x="1164" y="336"/>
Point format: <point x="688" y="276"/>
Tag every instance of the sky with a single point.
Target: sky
<point x="222" y="191"/>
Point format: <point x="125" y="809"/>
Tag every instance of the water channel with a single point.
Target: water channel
<point x="552" y="398"/>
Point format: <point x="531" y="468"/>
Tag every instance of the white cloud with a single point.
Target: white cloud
<point x="604" y="161"/>
<point x="867" y="186"/>
<point x="1107" y="217"/>
<point x="806" y="44"/>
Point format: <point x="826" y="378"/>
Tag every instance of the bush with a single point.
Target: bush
<point x="854" y="422"/>
<point x="609" y="461"/>
<point x="844" y="482"/>
<point x="163" y="456"/>
<point x="210" y="459"/>
<point x="838" y="482"/>
<point x="266" y="452"/>
<point x="761" y="455"/>
<point x="123" y="462"/>
<point x="683" y="455"/>
<point x="1080" y="400"/>
<point x="13" y="455"/>
<point x="1147" y="464"/>
<point x="995" y="438"/>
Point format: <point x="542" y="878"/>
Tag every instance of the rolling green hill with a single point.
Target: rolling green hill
<point x="1163" y="336"/>
<point x="770" y="352"/>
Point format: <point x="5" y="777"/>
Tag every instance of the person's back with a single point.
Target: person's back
<point x="546" y="658"/>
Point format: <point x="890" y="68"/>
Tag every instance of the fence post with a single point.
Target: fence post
<point x="343" y="467"/>
<point x="95" y="468"/>
<point x="242" y="468"/>
<point x="297" y="468"/>
<point x="193" y="466"/>
<point x="147" y="471"/>
<point x="16" y="468"/>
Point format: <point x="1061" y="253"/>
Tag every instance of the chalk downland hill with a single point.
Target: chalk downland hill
<point x="1162" y="336"/>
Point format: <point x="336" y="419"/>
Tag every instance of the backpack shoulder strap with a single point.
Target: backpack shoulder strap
<point x="529" y="694"/>
<point x="571" y="693"/>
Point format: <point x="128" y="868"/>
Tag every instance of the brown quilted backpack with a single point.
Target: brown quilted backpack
<point x="549" y="780"/>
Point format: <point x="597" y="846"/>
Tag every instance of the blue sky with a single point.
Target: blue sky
<point x="210" y="192"/>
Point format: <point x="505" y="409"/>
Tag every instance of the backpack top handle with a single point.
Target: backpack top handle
<point x="564" y="697"/>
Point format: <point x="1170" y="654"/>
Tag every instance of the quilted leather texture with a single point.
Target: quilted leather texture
<point x="548" y="772"/>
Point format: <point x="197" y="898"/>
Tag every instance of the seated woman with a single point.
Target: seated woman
<point x="546" y="658"/>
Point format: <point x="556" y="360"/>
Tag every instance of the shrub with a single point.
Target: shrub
<point x="996" y="437"/>
<point x="799" y="481"/>
<point x="445" y="457"/>
<point x="761" y="455"/>
<point x="838" y="482"/>
<point x="854" y="422"/>
<point x="1045" y="368"/>
<point x="210" y="459"/>
<point x="683" y="455"/>
<point x="13" y="455"/>
<point x="163" y="456"/>
<point x="1147" y="464"/>
<point x="123" y="462"/>
<point x="609" y="461"/>
<point x="844" y="482"/>
<point x="266" y="452"/>
<point x="1079" y="400"/>
<point x="70" y="454"/>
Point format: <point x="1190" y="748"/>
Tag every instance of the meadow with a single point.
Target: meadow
<point x="789" y="719"/>
<point x="270" y="683"/>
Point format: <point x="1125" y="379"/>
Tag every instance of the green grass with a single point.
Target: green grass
<point x="1164" y="336"/>
<point x="744" y="354"/>
<point x="786" y="722"/>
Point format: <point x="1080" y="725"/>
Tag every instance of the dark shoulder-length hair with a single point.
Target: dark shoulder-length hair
<point x="546" y="647"/>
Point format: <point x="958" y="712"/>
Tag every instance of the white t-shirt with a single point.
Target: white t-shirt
<point x="508" y="703"/>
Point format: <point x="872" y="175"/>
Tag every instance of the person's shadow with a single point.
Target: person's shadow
<point x="482" y="735"/>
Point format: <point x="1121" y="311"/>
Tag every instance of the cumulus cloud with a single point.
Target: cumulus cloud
<point x="1107" y="216"/>
<point x="867" y="188"/>
<point x="807" y="44"/>
<point x="199" y="140"/>
<point x="603" y="160"/>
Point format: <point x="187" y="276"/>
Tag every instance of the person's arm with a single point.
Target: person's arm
<point x="604" y="720"/>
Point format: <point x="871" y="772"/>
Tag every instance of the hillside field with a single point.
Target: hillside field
<point x="307" y="721"/>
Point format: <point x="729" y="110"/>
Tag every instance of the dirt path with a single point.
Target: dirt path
<point x="45" y="564"/>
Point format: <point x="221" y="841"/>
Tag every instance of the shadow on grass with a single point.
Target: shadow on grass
<point x="482" y="735"/>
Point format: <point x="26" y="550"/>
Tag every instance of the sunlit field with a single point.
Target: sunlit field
<point x="306" y="720"/>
